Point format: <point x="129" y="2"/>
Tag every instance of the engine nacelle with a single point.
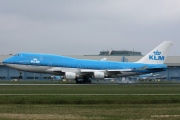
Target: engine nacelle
<point x="70" y="75"/>
<point x="99" y="75"/>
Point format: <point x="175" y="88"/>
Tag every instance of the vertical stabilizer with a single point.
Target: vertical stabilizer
<point x="158" y="55"/>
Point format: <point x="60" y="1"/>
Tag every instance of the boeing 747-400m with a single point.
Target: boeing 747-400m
<point x="85" y="70"/>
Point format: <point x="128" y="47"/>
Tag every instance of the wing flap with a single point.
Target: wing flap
<point x="120" y="70"/>
<point x="54" y="70"/>
<point x="111" y="70"/>
<point x="91" y="70"/>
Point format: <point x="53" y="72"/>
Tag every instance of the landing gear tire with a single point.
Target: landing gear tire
<point x="84" y="80"/>
<point x="20" y="77"/>
<point x="77" y="81"/>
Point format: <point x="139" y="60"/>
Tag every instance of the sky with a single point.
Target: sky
<point x="86" y="27"/>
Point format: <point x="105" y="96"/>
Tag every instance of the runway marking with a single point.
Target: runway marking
<point x="164" y="116"/>
<point x="39" y="84"/>
<point x="56" y="84"/>
<point x="88" y="94"/>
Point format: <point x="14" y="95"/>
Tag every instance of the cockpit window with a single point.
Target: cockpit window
<point x="17" y="55"/>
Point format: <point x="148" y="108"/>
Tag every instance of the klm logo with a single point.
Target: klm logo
<point x="156" y="56"/>
<point x="35" y="60"/>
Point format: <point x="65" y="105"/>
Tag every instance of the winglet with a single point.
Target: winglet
<point x="158" y="55"/>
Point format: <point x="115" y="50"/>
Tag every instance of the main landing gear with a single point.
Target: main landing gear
<point x="83" y="80"/>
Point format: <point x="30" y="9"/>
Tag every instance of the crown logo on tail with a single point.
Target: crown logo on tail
<point x="157" y="52"/>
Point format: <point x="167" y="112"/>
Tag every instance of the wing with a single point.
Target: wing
<point x="59" y="70"/>
<point x="109" y="72"/>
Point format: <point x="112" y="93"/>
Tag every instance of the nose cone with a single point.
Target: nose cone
<point x="7" y="61"/>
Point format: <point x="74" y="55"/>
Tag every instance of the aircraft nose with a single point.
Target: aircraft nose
<point x="6" y="61"/>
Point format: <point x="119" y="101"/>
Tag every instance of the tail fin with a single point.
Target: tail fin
<point x="158" y="55"/>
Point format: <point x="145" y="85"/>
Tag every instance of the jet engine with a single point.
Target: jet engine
<point x="70" y="75"/>
<point x="99" y="75"/>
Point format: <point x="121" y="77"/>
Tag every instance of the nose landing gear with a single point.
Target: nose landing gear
<point x="20" y="75"/>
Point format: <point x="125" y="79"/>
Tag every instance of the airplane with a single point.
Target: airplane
<point x="53" y="77"/>
<point x="149" y="76"/>
<point x="83" y="70"/>
<point x="104" y="59"/>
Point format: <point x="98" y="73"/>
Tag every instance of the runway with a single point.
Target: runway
<point x="89" y="94"/>
<point x="42" y="84"/>
<point x="129" y="84"/>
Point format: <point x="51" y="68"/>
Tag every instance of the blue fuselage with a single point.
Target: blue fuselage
<point x="49" y="60"/>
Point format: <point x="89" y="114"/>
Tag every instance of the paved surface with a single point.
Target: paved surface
<point x="88" y="94"/>
<point x="41" y="84"/>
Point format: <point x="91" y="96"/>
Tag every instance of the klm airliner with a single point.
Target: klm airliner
<point x="84" y="70"/>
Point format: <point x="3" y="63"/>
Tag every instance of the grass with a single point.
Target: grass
<point x="91" y="89"/>
<point x="90" y="112"/>
<point x="90" y="94"/>
<point x="89" y="102"/>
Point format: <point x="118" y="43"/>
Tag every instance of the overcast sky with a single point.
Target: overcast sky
<point x="82" y="27"/>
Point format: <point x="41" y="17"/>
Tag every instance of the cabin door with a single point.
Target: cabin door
<point x="26" y="62"/>
<point x="50" y="64"/>
<point x="41" y="57"/>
